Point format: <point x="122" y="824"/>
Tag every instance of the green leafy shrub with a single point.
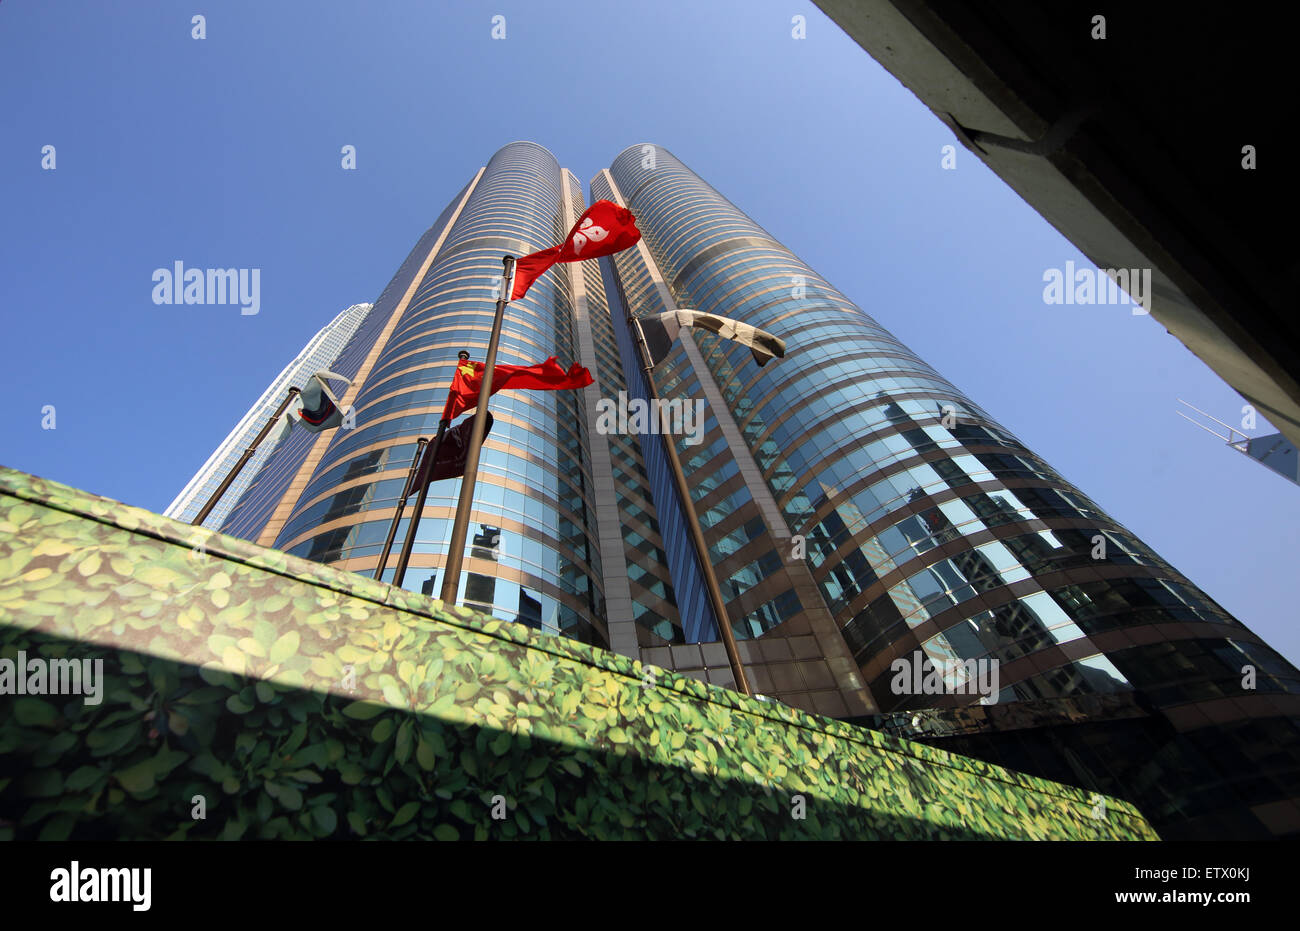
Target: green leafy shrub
<point x="300" y="702"/>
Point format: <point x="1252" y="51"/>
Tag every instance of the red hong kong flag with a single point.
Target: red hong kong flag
<point x="604" y="229"/>
<point x="545" y="376"/>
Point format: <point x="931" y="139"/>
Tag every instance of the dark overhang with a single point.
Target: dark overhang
<point x="1132" y="147"/>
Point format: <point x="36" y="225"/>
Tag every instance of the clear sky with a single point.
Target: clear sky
<point x="225" y="152"/>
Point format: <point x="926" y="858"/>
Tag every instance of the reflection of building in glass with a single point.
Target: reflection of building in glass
<point x="858" y="508"/>
<point x="480" y="589"/>
<point x="318" y="354"/>
<point x="530" y="609"/>
<point x="486" y="542"/>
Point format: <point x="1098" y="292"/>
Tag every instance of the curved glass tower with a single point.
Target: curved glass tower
<point x="960" y="570"/>
<point x="532" y="554"/>
<point x="318" y="354"/>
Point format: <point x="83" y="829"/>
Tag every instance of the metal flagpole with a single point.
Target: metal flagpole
<point x="243" y="460"/>
<point x="401" y="506"/>
<point x="460" y="530"/>
<point x="422" y="482"/>
<point x="693" y="522"/>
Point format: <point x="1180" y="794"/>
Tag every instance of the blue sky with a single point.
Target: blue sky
<point x="225" y="152"/>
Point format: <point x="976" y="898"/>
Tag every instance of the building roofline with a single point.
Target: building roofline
<point x="636" y="145"/>
<point x="526" y="142"/>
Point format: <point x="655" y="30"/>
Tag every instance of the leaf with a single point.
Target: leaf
<point x="394" y="696"/>
<point x="404" y="814"/>
<point x="157" y="576"/>
<point x="219" y="643"/>
<point x="264" y="632"/>
<point x="285" y="647"/>
<point x="535" y="767"/>
<point x="45" y="783"/>
<point x="424" y="755"/>
<point x="364" y="710"/>
<point x="210" y="766"/>
<point x="33" y="712"/>
<point x="58" y="827"/>
<point x="177" y="723"/>
<point x="106" y="743"/>
<point x="233" y="658"/>
<point x="234" y="829"/>
<point x="166" y="760"/>
<point x="83" y="778"/>
<point x="58" y="744"/>
<point x="138" y="778"/>
<point x="444" y="704"/>
<point x="237" y="705"/>
<point x="382" y="730"/>
<point x="216" y="676"/>
<point x="469" y="763"/>
<point x="445" y="832"/>
<point x="326" y="820"/>
<point x="402" y="750"/>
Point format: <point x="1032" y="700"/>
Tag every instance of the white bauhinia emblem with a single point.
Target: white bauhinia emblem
<point x="587" y="233"/>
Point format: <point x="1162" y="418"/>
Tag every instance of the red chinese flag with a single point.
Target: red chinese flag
<point x="545" y="376"/>
<point x="605" y="228"/>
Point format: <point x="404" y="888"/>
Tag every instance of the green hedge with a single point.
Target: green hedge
<point x="304" y="702"/>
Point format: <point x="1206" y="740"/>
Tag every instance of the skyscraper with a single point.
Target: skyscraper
<point x="936" y="538"/>
<point x="545" y="517"/>
<point x="863" y="517"/>
<point x="319" y="353"/>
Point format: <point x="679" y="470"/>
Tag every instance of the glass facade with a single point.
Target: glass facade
<point x="318" y="354"/>
<point x="934" y="536"/>
<point x="255" y="515"/>
<point x="530" y="556"/>
<point x="642" y="563"/>
<point x="682" y="220"/>
<point x="722" y="501"/>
